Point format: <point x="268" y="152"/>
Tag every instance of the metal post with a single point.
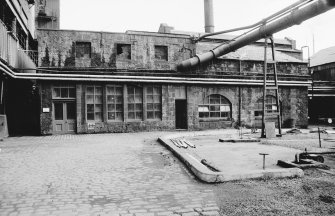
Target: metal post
<point x="319" y="137"/>
<point x="264" y="85"/>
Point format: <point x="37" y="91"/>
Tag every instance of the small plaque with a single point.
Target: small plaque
<point x="91" y="126"/>
<point x="46" y="110"/>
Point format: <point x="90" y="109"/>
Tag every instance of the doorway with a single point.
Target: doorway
<point x="181" y="114"/>
<point x="64" y="117"/>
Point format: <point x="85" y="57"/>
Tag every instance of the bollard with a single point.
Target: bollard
<point x="264" y="154"/>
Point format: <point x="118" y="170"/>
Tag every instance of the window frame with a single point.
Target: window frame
<point x="210" y="110"/>
<point x="154" y="103"/>
<point x="135" y="105"/>
<point x="84" y="49"/>
<point x="118" y="47"/>
<point x="115" y="103"/>
<point x="94" y="103"/>
<point x="166" y="49"/>
<point x="258" y="108"/>
<point x="64" y="87"/>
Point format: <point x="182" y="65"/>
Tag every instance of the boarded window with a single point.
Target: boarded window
<point x="215" y="106"/>
<point x="114" y="100"/>
<point x="135" y="103"/>
<point x="154" y="102"/>
<point x="94" y="103"/>
<point x="83" y="50"/>
<point x="161" y="53"/>
<point x="123" y="51"/>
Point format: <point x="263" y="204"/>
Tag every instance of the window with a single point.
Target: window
<point x="83" y="50"/>
<point x="94" y="103"/>
<point x="114" y="100"/>
<point x="64" y="92"/>
<point x="123" y="51"/>
<point x="215" y="106"/>
<point x="154" y="104"/>
<point x="270" y="105"/>
<point x="135" y="102"/>
<point x="161" y="53"/>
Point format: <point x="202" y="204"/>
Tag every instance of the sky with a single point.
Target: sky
<point x="188" y="15"/>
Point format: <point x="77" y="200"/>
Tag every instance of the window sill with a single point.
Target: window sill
<point x="214" y="120"/>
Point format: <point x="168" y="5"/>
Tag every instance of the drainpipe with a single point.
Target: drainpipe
<point x="296" y="17"/>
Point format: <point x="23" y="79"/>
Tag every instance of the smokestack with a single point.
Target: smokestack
<point x="209" y="17"/>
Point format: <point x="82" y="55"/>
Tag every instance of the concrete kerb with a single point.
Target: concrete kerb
<point x="193" y="162"/>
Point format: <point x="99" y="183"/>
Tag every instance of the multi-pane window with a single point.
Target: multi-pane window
<point x="270" y="105"/>
<point x="215" y="106"/>
<point x="83" y="49"/>
<point x="94" y="103"/>
<point x="154" y="104"/>
<point x="123" y="51"/>
<point x="161" y="53"/>
<point x="64" y="92"/>
<point x="135" y="102"/>
<point x="114" y="102"/>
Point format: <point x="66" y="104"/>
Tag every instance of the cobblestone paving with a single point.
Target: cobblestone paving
<point x="102" y="174"/>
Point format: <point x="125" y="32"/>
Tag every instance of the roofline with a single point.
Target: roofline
<point x="128" y="32"/>
<point x="147" y="79"/>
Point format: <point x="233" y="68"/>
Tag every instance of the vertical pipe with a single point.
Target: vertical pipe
<point x="209" y="16"/>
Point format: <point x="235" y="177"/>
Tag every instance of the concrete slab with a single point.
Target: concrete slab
<point x="236" y="161"/>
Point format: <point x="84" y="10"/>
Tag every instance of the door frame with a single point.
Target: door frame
<point x="184" y="115"/>
<point x="65" y="120"/>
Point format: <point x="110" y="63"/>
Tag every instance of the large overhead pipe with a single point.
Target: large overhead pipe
<point x="265" y="20"/>
<point x="209" y="17"/>
<point x="296" y="17"/>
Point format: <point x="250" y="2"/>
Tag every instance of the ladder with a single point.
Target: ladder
<point x="270" y="86"/>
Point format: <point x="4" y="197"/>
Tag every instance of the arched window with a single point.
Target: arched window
<point x="215" y="106"/>
<point x="270" y="105"/>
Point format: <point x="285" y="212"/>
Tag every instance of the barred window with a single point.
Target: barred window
<point x="270" y="105"/>
<point x="94" y="103"/>
<point x="215" y="106"/>
<point x="83" y="49"/>
<point x="114" y="100"/>
<point x="135" y="102"/>
<point x="154" y="102"/>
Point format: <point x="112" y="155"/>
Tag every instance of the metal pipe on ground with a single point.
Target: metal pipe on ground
<point x="296" y="17"/>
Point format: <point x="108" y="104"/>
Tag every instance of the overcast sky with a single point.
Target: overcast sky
<point x="188" y="15"/>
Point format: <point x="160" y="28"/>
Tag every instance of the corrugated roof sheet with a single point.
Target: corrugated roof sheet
<point x="252" y="53"/>
<point x="324" y="56"/>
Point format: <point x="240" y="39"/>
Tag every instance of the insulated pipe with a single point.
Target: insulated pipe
<point x="256" y="24"/>
<point x="296" y="17"/>
<point x="209" y="17"/>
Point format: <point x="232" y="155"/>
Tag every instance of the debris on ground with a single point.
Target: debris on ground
<point x="182" y="143"/>
<point x="294" y="131"/>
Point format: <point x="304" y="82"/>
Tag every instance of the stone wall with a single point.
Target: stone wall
<point x="57" y="48"/>
<point x="294" y="103"/>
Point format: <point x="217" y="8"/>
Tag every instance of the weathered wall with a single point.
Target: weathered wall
<point x="57" y="49"/>
<point x="294" y="103"/>
<point x="224" y="66"/>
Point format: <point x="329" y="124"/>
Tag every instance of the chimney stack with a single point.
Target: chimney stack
<point x="209" y="17"/>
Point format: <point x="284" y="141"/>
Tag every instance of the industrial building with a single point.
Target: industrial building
<point x="322" y="91"/>
<point x="97" y="82"/>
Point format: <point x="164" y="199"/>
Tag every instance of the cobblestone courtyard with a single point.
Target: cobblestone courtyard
<point x="103" y="174"/>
